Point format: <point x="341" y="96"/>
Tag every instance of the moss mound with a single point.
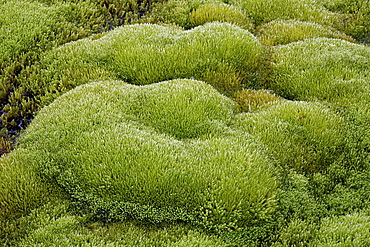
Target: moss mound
<point x="221" y="54"/>
<point x="250" y="100"/>
<point x="356" y="18"/>
<point x="305" y="136"/>
<point x="322" y="69"/>
<point x="281" y="32"/>
<point x="145" y="54"/>
<point x="162" y="161"/>
<point x="31" y="26"/>
<point x="263" y="11"/>
<point x="27" y="29"/>
<point x="221" y="12"/>
<point x="346" y="230"/>
<point x="21" y="188"/>
<point x="161" y="153"/>
<point x="55" y="224"/>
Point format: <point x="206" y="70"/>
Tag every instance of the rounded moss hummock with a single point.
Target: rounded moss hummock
<point x="160" y="152"/>
<point x="263" y="11"/>
<point x="221" y="12"/>
<point x="305" y="136"/>
<point x="322" y="69"/>
<point x="281" y="32"/>
<point x="221" y="54"/>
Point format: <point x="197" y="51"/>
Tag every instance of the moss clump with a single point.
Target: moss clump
<point x="305" y="136"/>
<point x="346" y="230"/>
<point x="21" y="189"/>
<point x="222" y="54"/>
<point x="159" y="153"/>
<point x="251" y="100"/>
<point x="176" y="12"/>
<point x="322" y="69"/>
<point x="27" y="29"/>
<point x="56" y="224"/>
<point x="221" y="12"/>
<point x="356" y="17"/>
<point x="281" y="32"/>
<point x="263" y="11"/>
<point x="31" y="26"/>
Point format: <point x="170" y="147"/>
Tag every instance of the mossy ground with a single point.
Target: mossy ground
<point x="184" y="123"/>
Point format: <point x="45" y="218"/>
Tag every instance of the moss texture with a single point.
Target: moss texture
<point x="160" y="152"/>
<point x="281" y="32"/>
<point x="218" y="124"/>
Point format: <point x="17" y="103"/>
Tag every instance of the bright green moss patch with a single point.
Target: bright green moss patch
<point x="140" y="157"/>
<point x="176" y="12"/>
<point x="251" y="100"/>
<point x="21" y="189"/>
<point x="222" y="54"/>
<point x="347" y="230"/>
<point x="305" y="136"/>
<point x="56" y="224"/>
<point x="220" y="12"/>
<point x="356" y="18"/>
<point x="322" y="69"/>
<point x="263" y="11"/>
<point x="27" y="29"/>
<point x="281" y="32"/>
<point x="31" y="26"/>
<point x="176" y="54"/>
<point x="161" y="152"/>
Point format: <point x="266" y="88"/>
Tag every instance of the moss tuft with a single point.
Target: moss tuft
<point x="157" y="153"/>
<point x="263" y="11"/>
<point x="221" y="12"/>
<point x="251" y="100"/>
<point x="305" y="136"/>
<point x="281" y="32"/>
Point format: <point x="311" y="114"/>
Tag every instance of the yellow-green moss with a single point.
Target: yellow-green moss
<point x="160" y="152"/>
<point x="281" y="32"/>
<point x="221" y="12"/>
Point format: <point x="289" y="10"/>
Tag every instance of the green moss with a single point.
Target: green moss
<point x="322" y="69"/>
<point x="263" y="11"/>
<point x="138" y="54"/>
<point x="356" y="19"/>
<point x="251" y="100"/>
<point x="27" y="29"/>
<point x="174" y="12"/>
<point x="144" y="54"/>
<point x="305" y="136"/>
<point x="31" y="26"/>
<point x="21" y="189"/>
<point x="54" y="224"/>
<point x="281" y="32"/>
<point x="161" y="152"/>
<point x="348" y="230"/>
<point x="221" y="12"/>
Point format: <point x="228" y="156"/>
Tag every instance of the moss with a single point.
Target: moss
<point x="281" y="32"/>
<point x="40" y="27"/>
<point x="55" y="224"/>
<point x="356" y="17"/>
<point x="300" y="135"/>
<point x="322" y="70"/>
<point x="158" y="153"/>
<point x="221" y="12"/>
<point x="251" y="100"/>
<point x="27" y="29"/>
<point x="21" y="189"/>
<point x="347" y="230"/>
<point x="263" y="11"/>
<point x="174" y="12"/>
<point x="138" y="54"/>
